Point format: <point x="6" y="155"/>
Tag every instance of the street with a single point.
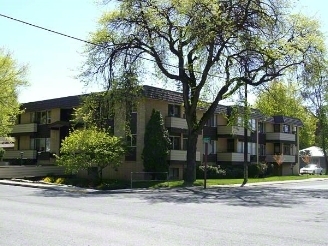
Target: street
<point x="280" y="214"/>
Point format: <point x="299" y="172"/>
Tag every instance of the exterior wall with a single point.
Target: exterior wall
<point x="55" y="114"/>
<point x="268" y="127"/>
<point x="25" y="143"/>
<point x="25" y="118"/>
<point x="221" y="145"/>
<point x="221" y="120"/>
<point x="54" y="141"/>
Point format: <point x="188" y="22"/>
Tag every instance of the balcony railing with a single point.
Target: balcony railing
<point x="286" y="158"/>
<point x="232" y="157"/>
<point x="280" y="136"/>
<point x="16" y="154"/>
<point x="176" y="122"/>
<point x="24" y="128"/>
<point x="181" y="155"/>
<point x="231" y="130"/>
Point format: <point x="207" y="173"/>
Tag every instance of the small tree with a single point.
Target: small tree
<point x="87" y="148"/>
<point x="156" y="145"/>
<point x="279" y="159"/>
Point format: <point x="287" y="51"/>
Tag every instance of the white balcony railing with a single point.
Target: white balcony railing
<point x="280" y="136"/>
<point x="24" y="128"/>
<point x="231" y="130"/>
<point x="232" y="157"/>
<point x="176" y="122"/>
<point x="181" y="155"/>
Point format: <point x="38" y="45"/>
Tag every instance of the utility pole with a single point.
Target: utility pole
<point x="245" y="138"/>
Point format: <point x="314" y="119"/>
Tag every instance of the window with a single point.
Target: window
<point x="230" y="145"/>
<point x="276" y="148"/>
<point x="276" y="128"/>
<point x="287" y="149"/>
<point x="42" y="117"/>
<point x="211" y="147"/>
<point x="286" y="128"/>
<point x="211" y="121"/>
<point x="251" y="148"/>
<point x="240" y="147"/>
<point x="261" y="127"/>
<point x="262" y="149"/>
<point x="174" y="110"/>
<point x="40" y="144"/>
<point x="252" y="124"/>
<point x="184" y="142"/>
<point x="132" y="140"/>
<point x="175" y="142"/>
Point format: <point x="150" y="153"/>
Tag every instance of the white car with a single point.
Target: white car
<point x="311" y="169"/>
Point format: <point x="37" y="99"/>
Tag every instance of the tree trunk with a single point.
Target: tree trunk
<point x="190" y="173"/>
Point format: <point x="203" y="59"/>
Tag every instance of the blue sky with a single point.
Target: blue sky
<point x="53" y="60"/>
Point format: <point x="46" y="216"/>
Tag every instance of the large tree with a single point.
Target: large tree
<point x="200" y="44"/>
<point x="280" y="98"/>
<point x="156" y="145"/>
<point x="12" y="77"/>
<point x="314" y="92"/>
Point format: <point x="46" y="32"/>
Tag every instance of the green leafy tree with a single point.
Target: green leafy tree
<point x="200" y="44"/>
<point x="12" y="77"/>
<point x="314" y="93"/>
<point x="87" y="148"/>
<point x="284" y="99"/>
<point x="156" y="145"/>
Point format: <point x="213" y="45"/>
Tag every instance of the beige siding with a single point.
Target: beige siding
<point x="151" y="104"/>
<point x="268" y="127"/>
<point x="269" y="150"/>
<point x="25" y="142"/>
<point x="221" y="119"/>
<point x="222" y="145"/>
<point x="55" y="114"/>
<point x="26" y="118"/>
<point x="54" y="141"/>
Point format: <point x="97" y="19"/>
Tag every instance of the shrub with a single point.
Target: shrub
<point x="49" y="179"/>
<point x="60" y="181"/>
<point x="212" y="172"/>
<point x="257" y="170"/>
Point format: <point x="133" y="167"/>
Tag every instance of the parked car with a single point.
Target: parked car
<point x="311" y="169"/>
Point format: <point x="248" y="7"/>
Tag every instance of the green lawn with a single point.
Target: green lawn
<point x="210" y="182"/>
<point x="120" y="184"/>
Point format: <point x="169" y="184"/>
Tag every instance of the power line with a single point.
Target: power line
<point x="88" y="42"/>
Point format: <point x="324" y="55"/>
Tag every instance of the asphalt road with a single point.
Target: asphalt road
<point x="284" y="214"/>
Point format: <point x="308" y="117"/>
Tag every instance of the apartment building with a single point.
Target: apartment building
<point x="44" y="124"/>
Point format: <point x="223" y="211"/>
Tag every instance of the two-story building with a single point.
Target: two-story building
<point x="44" y="124"/>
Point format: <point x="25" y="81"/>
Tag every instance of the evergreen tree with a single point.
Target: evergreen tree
<point x="156" y="145"/>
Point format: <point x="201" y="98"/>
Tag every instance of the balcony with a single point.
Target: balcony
<point x="232" y="130"/>
<point x="232" y="157"/>
<point x="16" y="154"/>
<point x="176" y="122"/>
<point x="24" y="128"/>
<point x="286" y="158"/>
<point x="181" y="155"/>
<point x="280" y="136"/>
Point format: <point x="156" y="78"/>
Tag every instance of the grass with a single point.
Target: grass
<point x="210" y="182"/>
<point x="120" y="184"/>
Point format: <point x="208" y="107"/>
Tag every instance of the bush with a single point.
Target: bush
<point x="60" y="181"/>
<point x="257" y="170"/>
<point x="212" y="172"/>
<point x="49" y="179"/>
